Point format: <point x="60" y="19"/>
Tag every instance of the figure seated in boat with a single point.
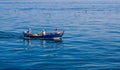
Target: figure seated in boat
<point x="57" y="32"/>
<point x="28" y="32"/>
<point x="43" y="33"/>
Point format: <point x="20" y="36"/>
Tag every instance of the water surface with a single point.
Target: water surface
<point x="91" y="40"/>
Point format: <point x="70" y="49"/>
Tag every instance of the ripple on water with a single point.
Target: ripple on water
<point x="91" y="39"/>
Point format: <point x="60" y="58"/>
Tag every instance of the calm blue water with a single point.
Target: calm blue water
<point x="91" y="40"/>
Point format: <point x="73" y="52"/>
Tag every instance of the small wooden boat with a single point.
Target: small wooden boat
<point x="43" y="35"/>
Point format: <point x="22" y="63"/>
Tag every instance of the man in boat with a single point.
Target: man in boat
<point x="29" y="31"/>
<point x="56" y="31"/>
<point x="43" y="32"/>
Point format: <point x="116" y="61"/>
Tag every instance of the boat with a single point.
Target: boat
<point x="56" y="35"/>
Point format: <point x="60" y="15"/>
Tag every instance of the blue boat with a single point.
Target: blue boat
<point x="57" y="35"/>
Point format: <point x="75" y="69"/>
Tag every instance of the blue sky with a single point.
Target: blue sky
<point x="82" y="1"/>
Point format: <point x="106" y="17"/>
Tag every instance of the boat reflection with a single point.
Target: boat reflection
<point x="44" y="43"/>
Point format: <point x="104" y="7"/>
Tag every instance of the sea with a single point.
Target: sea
<point x="91" y="40"/>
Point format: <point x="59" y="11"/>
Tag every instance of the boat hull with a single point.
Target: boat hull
<point x="47" y="36"/>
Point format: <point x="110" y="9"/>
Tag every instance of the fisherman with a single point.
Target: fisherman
<point x="43" y="32"/>
<point x="29" y="31"/>
<point x="56" y="30"/>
